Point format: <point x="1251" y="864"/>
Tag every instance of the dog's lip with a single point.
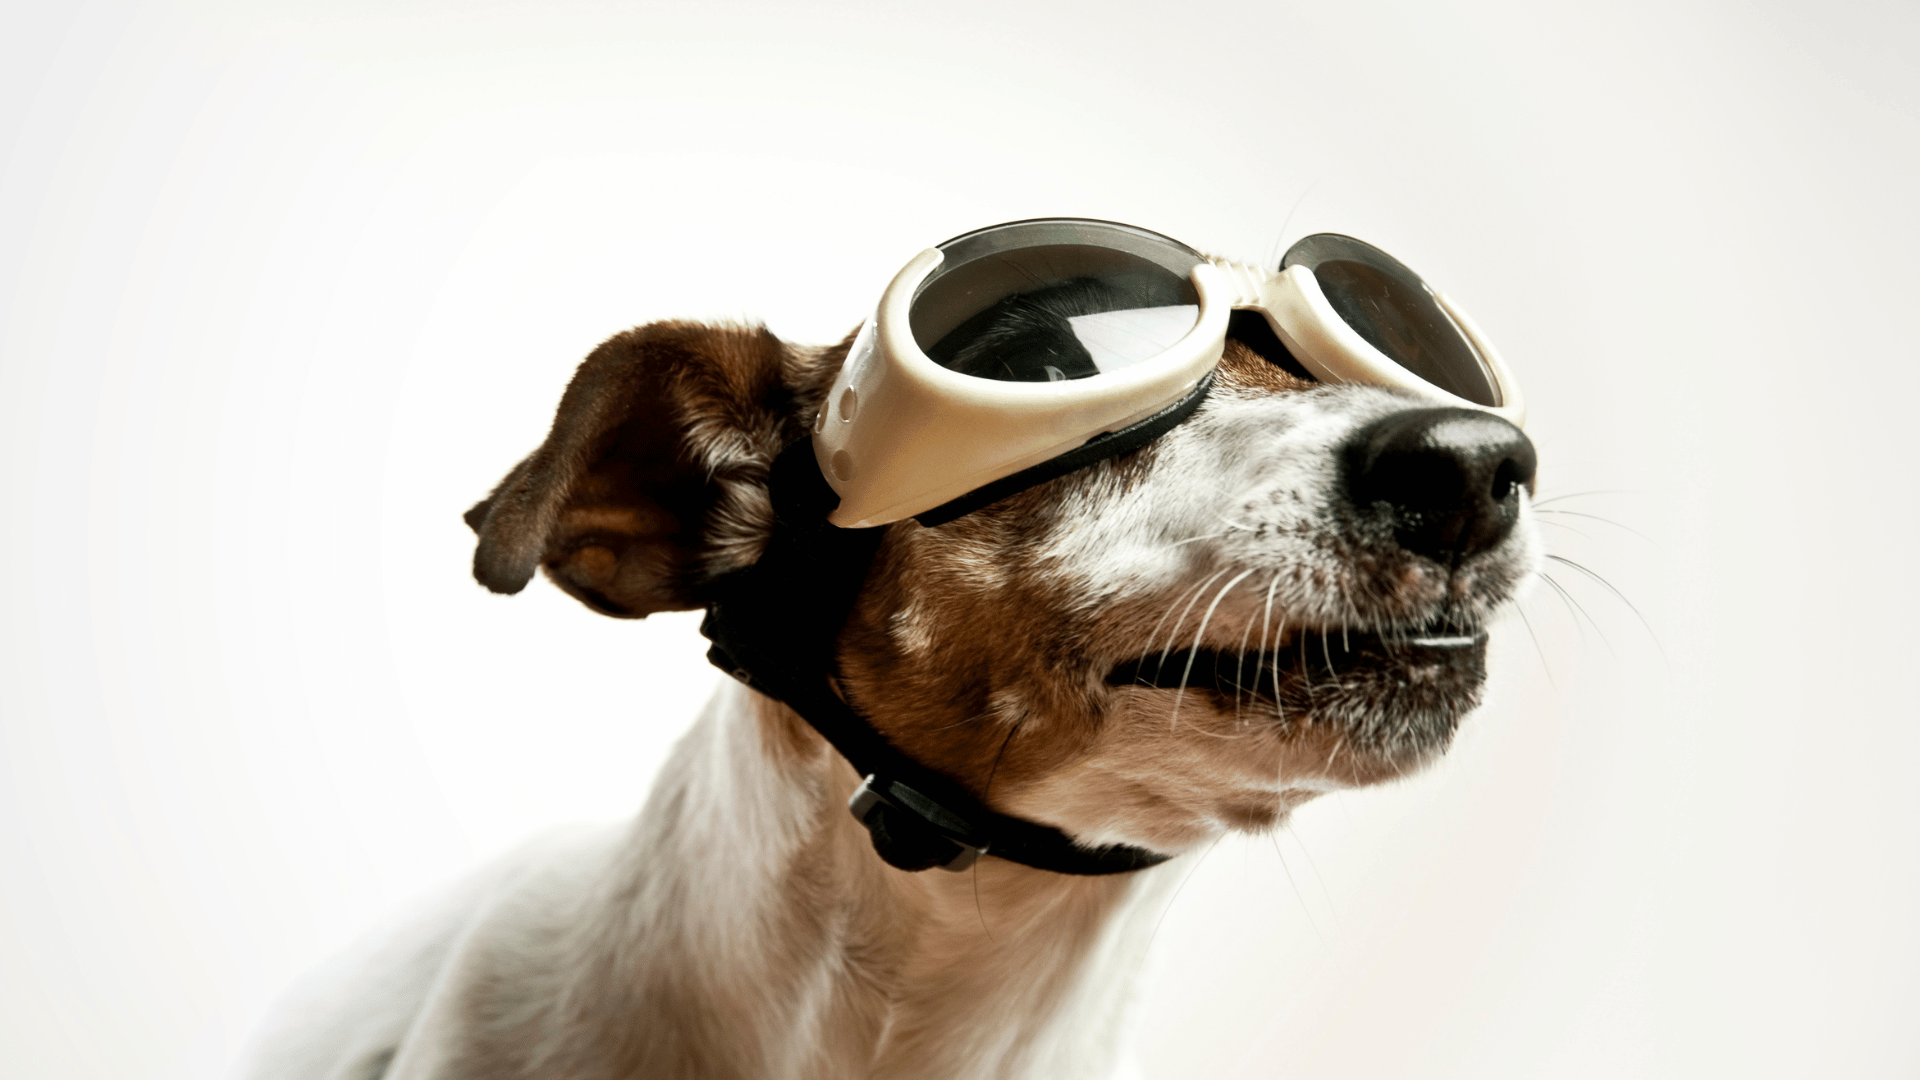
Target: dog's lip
<point x="1203" y="666"/>
<point x="1464" y="639"/>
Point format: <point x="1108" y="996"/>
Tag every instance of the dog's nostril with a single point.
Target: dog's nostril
<point x="1448" y="478"/>
<point x="1506" y="478"/>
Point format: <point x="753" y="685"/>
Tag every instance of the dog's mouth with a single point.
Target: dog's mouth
<point x="1397" y="692"/>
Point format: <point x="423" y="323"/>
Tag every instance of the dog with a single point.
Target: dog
<point x="1285" y="595"/>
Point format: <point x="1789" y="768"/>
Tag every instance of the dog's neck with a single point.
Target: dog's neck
<point x="777" y="944"/>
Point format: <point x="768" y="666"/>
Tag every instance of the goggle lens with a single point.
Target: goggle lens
<point x="1396" y="312"/>
<point x="1052" y="300"/>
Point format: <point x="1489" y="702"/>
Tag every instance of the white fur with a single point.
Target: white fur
<point x="703" y="899"/>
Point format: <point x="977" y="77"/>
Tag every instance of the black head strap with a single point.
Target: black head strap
<point x="774" y="624"/>
<point x="1099" y="448"/>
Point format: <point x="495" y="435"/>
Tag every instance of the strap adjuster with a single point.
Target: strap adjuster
<point x="944" y="840"/>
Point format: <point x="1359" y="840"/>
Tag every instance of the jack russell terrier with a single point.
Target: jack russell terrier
<point x="1282" y="594"/>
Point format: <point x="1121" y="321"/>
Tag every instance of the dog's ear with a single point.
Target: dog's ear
<point x="653" y="479"/>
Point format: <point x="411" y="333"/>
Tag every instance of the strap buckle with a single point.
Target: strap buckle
<point x="949" y="842"/>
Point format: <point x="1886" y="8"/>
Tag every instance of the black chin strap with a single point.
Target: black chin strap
<point x="774" y="624"/>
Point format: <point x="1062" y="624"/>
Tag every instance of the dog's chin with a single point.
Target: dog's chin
<point x="1395" y="699"/>
<point x="1391" y="700"/>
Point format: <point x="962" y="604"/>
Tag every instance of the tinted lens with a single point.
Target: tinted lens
<point x="1057" y="298"/>
<point x="1394" y="310"/>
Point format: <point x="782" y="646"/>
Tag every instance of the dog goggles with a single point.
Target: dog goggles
<point x="1031" y="345"/>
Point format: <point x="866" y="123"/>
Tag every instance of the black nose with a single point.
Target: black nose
<point x="1450" y="478"/>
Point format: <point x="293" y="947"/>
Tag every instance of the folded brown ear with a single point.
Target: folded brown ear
<point x="652" y="480"/>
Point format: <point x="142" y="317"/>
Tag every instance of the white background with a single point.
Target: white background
<point x="284" y="287"/>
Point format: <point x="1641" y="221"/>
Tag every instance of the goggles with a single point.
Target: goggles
<point x="1018" y="352"/>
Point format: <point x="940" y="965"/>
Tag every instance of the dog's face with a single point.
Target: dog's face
<point x="1285" y="594"/>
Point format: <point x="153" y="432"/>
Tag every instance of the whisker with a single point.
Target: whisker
<point x="1574" y="606"/>
<point x="1232" y="527"/>
<point x="1620" y="596"/>
<point x="978" y="910"/>
<point x="1542" y="653"/>
<point x="1332" y="908"/>
<point x="1194" y="652"/>
<point x="1273" y="256"/>
<point x="1564" y="525"/>
<point x="1601" y="520"/>
<point x="1183" y="884"/>
<point x="1333" y="753"/>
<point x="1266" y="613"/>
<point x="1239" y="673"/>
<point x="963" y="721"/>
<point x="1587" y="495"/>
<point x="1197" y="590"/>
<point x="991" y="773"/>
<point x="1306" y="676"/>
<point x="1274" y="836"/>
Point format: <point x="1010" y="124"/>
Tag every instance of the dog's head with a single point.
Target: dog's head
<point x="1285" y="594"/>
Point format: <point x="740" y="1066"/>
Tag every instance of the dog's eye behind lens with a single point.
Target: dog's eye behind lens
<point x="1036" y="302"/>
<point x="1071" y="330"/>
<point x="1396" y="311"/>
<point x="1024" y="338"/>
<point x="1402" y="320"/>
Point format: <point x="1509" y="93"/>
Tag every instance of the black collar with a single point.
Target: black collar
<point x="774" y="624"/>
